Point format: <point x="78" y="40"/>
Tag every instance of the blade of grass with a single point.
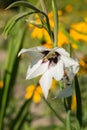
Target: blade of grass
<point x="10" y="71"/>
<point x="13" y="21"/>
<point x="79" y="101"/>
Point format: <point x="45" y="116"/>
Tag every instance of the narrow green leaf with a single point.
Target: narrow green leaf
<point x="11" y="70"/>
<point x="13" y="21"/>
<point x="79" y="101"/>
<point x="25" y="4"/>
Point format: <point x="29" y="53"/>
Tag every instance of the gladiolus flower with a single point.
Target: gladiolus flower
<point x="50" y="63"/>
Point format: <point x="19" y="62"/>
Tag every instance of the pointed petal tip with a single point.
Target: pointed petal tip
<point x="45" y="95"/>
<point x="22" y="51"/>
<point x="27" y="77"/>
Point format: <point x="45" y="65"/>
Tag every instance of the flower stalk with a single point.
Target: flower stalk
<point x="68" y="120"/>
<point x="56" y="114"/>
<point x="55" y="14"/>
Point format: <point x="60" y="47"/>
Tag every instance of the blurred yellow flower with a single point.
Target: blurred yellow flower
<point x="73" y="103"/>
<point x="83" y="65"/>
<point x="85" y="19"/>
<point x="69" y="8"/>
<point x="35" y="92"/>
<point x="60" y="12"/>
<point x="41" y="33"/>
<point x="1" y="84"/>
<point x="79" y="31"/>
<point x="47" y="45"/>
<point x="74" y="46"/>
<point x="53" y="85"/>
<point x="62" y="39"/>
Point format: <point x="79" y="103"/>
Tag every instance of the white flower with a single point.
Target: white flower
<point x="50" y="63"/>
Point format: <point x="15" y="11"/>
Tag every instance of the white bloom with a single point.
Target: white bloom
<point x="50" y="63"/>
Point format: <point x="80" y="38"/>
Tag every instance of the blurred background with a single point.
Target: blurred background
<point x="73" y="17"/>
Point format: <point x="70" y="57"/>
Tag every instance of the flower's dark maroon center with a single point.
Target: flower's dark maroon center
<point x="50" y="56"/>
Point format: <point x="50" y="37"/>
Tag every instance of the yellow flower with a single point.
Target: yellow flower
<point x="85" y="19"/>
<point x="34" y="92"/>
<point x="53" y="85"/>
<point x="79" y="31"/>
<point x="41" y="33"/>
<point x="60" y="12"/>
<point x="73" y="103"/>
<point x="1" y="84"/>
<point x="68" y="8"/>
<point x="62" y="39"/>
<point x="47" y="45"/>
<point x="74" y="46"/>
<point x="83" y="65"/>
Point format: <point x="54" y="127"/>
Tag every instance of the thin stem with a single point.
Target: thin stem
<point x="68" y="122"/>
<point x="58" y="116"/>
<point x="47" y="21"/>
<point x="55" y="14"/>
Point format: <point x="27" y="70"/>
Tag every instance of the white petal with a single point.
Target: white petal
<point x="59" y="70"/>
<point x="68" y="62"/>
<point x="45" y="82"/>
<point x="75" y="68"/>
<point x="37" y="69"/>
<point x="62" y="51"/>
<point x="32" y="51"/>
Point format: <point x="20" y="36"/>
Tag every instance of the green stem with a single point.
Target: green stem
<point x="68" y="122"/>
<point x="47" y="21"/>
<point x="55" y="14"/>
<point x="58" y="116"/>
